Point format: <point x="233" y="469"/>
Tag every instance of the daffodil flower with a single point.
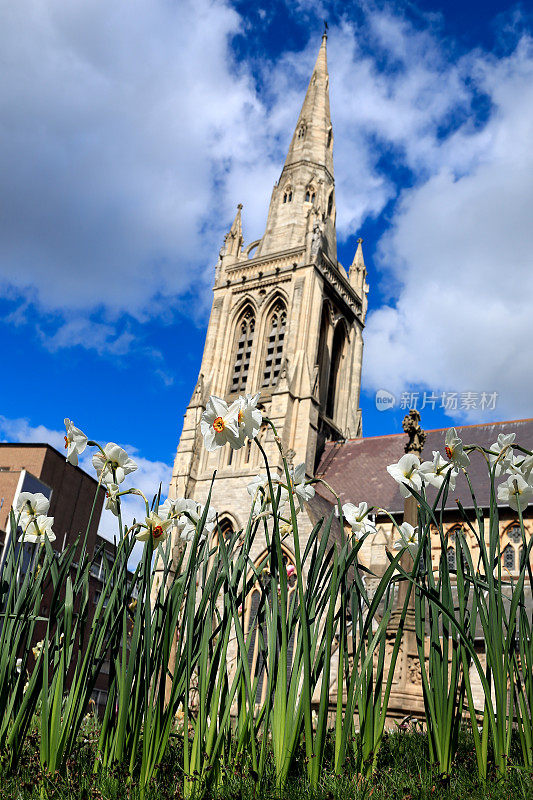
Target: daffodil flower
<point x="249" y="418"/>
<point x="155" y="528"/>
<point x="520" y="465"/>
<point x="299" y="488"/>
<point x="505" y="440"/>
<point x="515" y="492"/>
<point x="75" y="442"/>
<point x="435" y="472"/>
<point x="408" y="538"/>
<point x="30" y="506"/>
<point x="220" y="424"/>
<point x="191" y="516"/>
<point x="113" y="464"/>
<point x="112" y="494"/>
<point x="453" y="447"/>
<point x="406" y="473"/>
<point x="357" y="518"/>
<point x="37" y="529"/>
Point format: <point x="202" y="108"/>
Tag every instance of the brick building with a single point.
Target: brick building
<point x="71" y="491"/>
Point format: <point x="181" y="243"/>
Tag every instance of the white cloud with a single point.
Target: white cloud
<point x="129" y="135"/>
<point x="115" y="122"/>
<point x="460" y="247"/>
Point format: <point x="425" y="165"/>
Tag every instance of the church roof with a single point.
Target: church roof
<point x="357" y="468"/>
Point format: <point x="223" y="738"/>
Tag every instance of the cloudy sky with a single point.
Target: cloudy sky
<point x="130" y="130"/>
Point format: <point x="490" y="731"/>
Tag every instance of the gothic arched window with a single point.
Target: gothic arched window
<point x="511" y="547"/>
<point x="330" y="137"/>
<point x="322" y="358"/>
<point x="301" y="131"/>
<point x="334" y="372"/>
<point x="330" y="204"/>
<point x="275" y="336"/>
<point x="310" y="194"/>
<point x="287" y="195"/>
<point x="244" y="337"/>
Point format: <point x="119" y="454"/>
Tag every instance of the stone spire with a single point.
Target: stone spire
<point x="303" y="199"/>
<point x="313" y="136"/>
<point x="357" y="271"/>
<point x="233" y="239"/>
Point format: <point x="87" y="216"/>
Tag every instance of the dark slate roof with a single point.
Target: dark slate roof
<point x="357" y="468"/>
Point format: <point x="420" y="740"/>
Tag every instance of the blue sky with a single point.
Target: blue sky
<point x="131" y="131"/>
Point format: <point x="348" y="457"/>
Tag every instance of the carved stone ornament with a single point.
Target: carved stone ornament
<point x="417" y="437"/>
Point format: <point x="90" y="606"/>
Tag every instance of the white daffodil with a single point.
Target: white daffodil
<point x="37" y="529"/>
<point x="435" y="472"/>
<point x="189" y="520"/>
<point x="155" y="528"/>
<point x="249" y="418"/>
<point x="113" y="464"/>
<point x="75" y="442"/>
<point x="505" y="440"/>
<point x="406" y="472"/>
<point x="454" y="449"/>
<point x="357" y="518"/>
<point x="515" y="492"/>
<point x="111" y="494"/>
<point x="30" y="506"/>
<point x="408" y="538"/>
<point x="521" y="465"/>
<point x="257" y="489"/>
<point x="302" y="490"/>
<point x="173" y="509"/>
<point x="220" y="424"/>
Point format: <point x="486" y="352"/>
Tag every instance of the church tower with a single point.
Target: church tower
<point x="286" y="320"/>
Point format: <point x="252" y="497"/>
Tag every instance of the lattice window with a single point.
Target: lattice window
<point x="274" y="345"/>
<point x="452" y="562"/>
<point x="243" y="350"/>
<point x="514" y="533"/>
<point x="509" y="558"/>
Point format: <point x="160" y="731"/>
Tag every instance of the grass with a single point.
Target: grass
<point x="403" y="772"/>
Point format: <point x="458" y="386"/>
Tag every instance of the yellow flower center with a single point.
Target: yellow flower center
<point x="448" y="451"/>
<point x="218" y="424"/>
<point x="240" y="417"/>
<point x="66" y="442"/>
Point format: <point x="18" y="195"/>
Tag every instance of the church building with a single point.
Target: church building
<point x="287" y="320"/>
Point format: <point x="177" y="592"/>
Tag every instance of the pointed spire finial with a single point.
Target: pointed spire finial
<point x="325" y="34"/>
<point x="358" y="259"/>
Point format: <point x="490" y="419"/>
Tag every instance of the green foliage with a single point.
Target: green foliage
<point x="186" y="712"/>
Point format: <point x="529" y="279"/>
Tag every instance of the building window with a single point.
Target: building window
<point x="512" y="547"/>
<point x="334" y="373"/>
<point x="452" y="562"/>
<point x="243" y="350"/>
<point x="330" y="204"/>
<point x="287" y="195"/>
<point x="226" y="529"/>
<point x="330" y="137"/>
<point x="274" y="344"/>
<point x="310" y="195"/>
<point x="301" y="132"/>
<point x="509" y="559"/>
